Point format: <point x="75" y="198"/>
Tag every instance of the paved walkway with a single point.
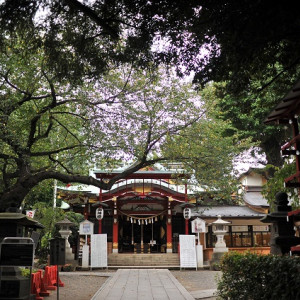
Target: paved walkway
<point x="145" y="284"/>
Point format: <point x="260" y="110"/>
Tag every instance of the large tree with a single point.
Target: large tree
<point x="76" y="43"/>
<point x="53" y="129"/>
<point x="253" y="46"/>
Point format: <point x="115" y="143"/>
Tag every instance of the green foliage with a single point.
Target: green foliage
<point x="259" y="277"/>
<point x="247" y="113"/>
<point x="275" y="184"/>
<point x="26" y="272"/>
<point x="55" y="130"/>
<point x="47" y="216"/>
<point x="43" y="192"/>
<point x="76" y="219"/>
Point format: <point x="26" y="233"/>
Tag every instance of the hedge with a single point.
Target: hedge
<point x="256" y="277"/>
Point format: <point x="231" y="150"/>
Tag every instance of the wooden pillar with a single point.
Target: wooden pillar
<point x="186" y="226"/>
<point x="100" y="221"/>
<point x="186" y="221"/>
<point x="115" y="227"/>
<point x="86" y="212"/>
<point x="297" y="145"/>
<point x="169" y="228"/>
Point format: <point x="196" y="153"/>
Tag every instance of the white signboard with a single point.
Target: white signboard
<point x="187" y="251"/>
<point x="261" y="228"/>
<point x="241" y="228"/>
<point x="86" y="228"/>
<point x="99" y="251"/>
<point x="198" y="225"/>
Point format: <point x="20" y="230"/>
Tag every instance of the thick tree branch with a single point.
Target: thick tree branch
<point x="56" y="151"/>
<point x="93" y="16"/>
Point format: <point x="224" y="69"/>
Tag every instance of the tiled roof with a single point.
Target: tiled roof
<point x="226" y="211"/>
<point x="255" y="199"/>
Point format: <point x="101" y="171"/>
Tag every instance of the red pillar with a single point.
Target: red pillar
<point x="186" y="226"/>
<point x="297" y="145"/>
<point x="100" y="221"/>
<point x="115" y="228"/>
<point x="169" y="229"/>
<point x="86" y="213"/>
<point x="186" y="221"/>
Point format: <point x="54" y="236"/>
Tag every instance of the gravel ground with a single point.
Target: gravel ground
<point x="80" y="286"/>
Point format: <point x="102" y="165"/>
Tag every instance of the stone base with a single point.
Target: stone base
<point x="220" y="250"/>
<point x="69" y="255"/>
<point x="216" y="258"/>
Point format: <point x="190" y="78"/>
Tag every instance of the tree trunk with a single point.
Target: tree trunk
<point x="272" y="148"/>
<point x="13" y="197"/>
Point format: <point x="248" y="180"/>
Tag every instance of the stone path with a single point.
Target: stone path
<point x="145" y="284"/>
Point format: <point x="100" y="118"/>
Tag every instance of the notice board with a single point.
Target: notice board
<point x="99" y="250"/>
<point x="12" y="254"/>
<point x="187" y="251"/>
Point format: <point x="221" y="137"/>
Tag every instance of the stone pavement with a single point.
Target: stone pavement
<point x="145" y="284"/>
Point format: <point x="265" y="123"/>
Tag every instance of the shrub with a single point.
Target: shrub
<point x="256" y="277"/>
<point x="67" y="268"/>
<point x="26" y="272"/>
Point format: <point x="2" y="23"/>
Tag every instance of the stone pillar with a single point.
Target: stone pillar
<point x="68" y="250"/>
<point x="65" y="233"/>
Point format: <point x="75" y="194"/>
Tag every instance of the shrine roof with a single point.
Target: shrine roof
<point x="287" y="107"/>
<point x="142" y="174"/>
<point x="226" y="211"/>
<point x="255" y="198"/>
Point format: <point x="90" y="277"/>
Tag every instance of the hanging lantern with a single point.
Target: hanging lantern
<point x="99" y="213"/>
<point x="187" y="213"/>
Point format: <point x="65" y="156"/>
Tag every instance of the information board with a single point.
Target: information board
<point x="187" y="251"/>
<point x="86" y="227"/>
<point x="99" y="251"/>
<point x="13" y="254"/>
<point x="198" y="225"/>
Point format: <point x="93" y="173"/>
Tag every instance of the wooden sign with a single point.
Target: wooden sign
<point x="187" y="251"/>
<point x="99" y="251"/>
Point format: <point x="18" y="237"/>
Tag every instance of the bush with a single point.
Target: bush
<point x="257" y="277"/>
<point x="26" y="272"/>
<point x="67" y="268"/>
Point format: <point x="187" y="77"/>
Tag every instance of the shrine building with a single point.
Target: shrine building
<point x="143" y="213"/>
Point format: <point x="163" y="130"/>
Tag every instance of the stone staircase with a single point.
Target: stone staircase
<point x="140" y="260"/>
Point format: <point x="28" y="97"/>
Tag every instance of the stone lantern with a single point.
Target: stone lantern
<point x="65" y="232"/>
<point x="219" y="228"/>
<point x="282" y="229"/>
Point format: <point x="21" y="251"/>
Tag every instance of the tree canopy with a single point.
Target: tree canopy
<point x="252" y="46"/>
<point x="221" y="41"/>
<point x="52" y="129"/>
<point x="59" y="79"/>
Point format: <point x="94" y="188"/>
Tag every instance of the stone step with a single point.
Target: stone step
<point x="166" y="259"/>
